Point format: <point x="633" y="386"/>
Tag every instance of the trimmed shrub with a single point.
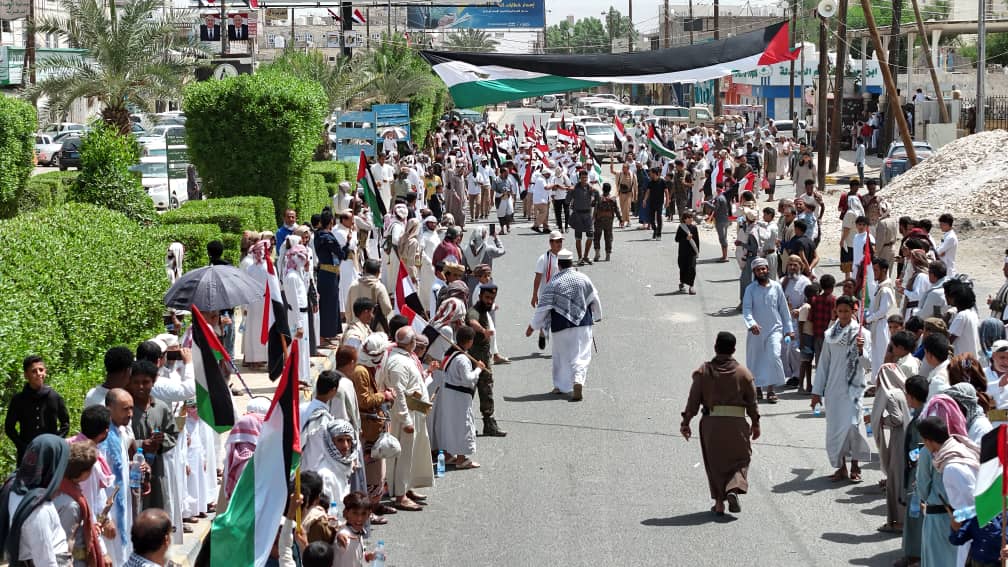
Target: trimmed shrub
<point x="101" y="276"/>
<point x="310" y="197"/>
<point x="193" y="237"/>
<point x="105" y="178"/>
<point x="234" y="214"/>
<point x="47" y="190"/>
<point x="18" y="122"/>
<point x="254" y="134"/>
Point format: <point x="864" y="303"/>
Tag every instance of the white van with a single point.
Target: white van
<point x="549" y="103"/>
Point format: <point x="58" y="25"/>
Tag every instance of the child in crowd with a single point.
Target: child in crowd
<point x="689" y="248"/>
<point x="806" y="338"/>
<point x="821" y="314"/>
<point x="454" y="424"/>
<point x="349" y="549"/>
<point x="895" y="324"/>
<point x="505" y="211"/>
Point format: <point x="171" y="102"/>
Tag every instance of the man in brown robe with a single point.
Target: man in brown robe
<point x="727" y="393"/>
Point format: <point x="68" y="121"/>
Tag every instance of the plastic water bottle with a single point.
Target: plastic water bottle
<point x="914" y="454"/>
<point x="817" y="410"/>
<point x="379" y="555"/>
<point x="136" y="472"/>
<point x="963" y="514"/>
<point x="440" y="464"/>
<point x="915" y="509"/>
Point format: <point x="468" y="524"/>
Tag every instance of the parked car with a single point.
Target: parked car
<point x="166" y="194"/>
<point x="785" y="128"/>
<point x="896" y="162"/>
<point x="55" y="129"/>
<point x="69" y="154"/>
<point x="466" y="114"/>
<point x="516" y="103"/>
<point x="549" y="103"/>
<point x="158" y="134"/>
<point x="600" y="138"/>
<point x="46" y="148"/>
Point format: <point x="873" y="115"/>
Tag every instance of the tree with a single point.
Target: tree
<point x="17" y="124"/>
<point x="589" y="35"/>
<point x="342" y="81"/>
<point x="132" y="59"/>
<point x="105" y="179"/>
<point x="470" y="40"/>
<point x="395" y="74"/>
<point x="619" y="27"/>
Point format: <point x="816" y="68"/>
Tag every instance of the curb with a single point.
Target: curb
<point x="185" y="553"/>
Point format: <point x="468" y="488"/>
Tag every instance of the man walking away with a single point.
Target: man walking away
<point x="580" y="200"/>
<point x="727" y="394"/>
<point x="605" y="214"/>
<point x="570" y="306"/>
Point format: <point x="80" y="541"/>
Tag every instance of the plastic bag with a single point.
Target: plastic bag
<point x="386" y="447"/>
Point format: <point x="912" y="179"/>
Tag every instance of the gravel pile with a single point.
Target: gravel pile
<point x="970" y="176"/>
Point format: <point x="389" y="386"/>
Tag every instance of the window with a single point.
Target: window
<point x="5" y="26"/>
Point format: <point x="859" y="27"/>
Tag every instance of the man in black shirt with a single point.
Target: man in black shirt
<point x="801" y="245"/>
<point x="36" y="409"/>
<point x="656" y="194"/>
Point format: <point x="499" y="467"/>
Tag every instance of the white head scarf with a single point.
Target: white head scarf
<point x="173" y="261"/>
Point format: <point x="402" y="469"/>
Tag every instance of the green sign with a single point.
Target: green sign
<point x="177" y="155"/>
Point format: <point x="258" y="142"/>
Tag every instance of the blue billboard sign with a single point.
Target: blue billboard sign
<point x="511" y="14"/>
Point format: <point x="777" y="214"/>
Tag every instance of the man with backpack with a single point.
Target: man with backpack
<point x="605" y="213"/>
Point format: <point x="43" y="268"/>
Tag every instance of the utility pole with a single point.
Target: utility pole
<point x="838" y="83"/>
<point x="890" y="84"/>
<point x="691" y="22"/>
<point x="388" y="13"/>
<point x="821" y="125"/>
<point x="792" y="35"/>
<point x="981" y="95"/>
<point x="666" y="38"/>
<point x="30" y="44"/>
<point x="223" y="25"/>
<point x="346" y="18"/>
<point x="889" y="127"/>
<point x="930" y="62"/>
<point x="630" y="28"/>
<point x="717" y="82"/>
<point x="367" y="26"/>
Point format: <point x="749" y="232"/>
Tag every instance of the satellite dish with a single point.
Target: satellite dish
<point x="827" y="8"/>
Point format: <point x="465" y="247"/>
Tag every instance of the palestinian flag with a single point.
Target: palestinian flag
<point x="476" y="79"/>
<point x="990" y="489"/>
<point x="213" y="398"/>
<point x="620" y="133"/>
<point x="866" y="276"/>
<point x="275" y="329"/>
<point x="243" y="535"/>
<point x="658" y="149"/>
<point x="588" y="159"/>
<point x="367" y="184"/>
<point x="406" y="296"/>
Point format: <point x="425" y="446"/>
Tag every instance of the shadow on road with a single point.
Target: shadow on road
<point x="544" y="397"/>
<point x="880" y="560"/>
<point x="729" y="280"/>
<point x="858" y="539"/>
<point x="693" y="519"/>
<point x="726" y="312"/>
<point x="805" y="483"/>
<point x="529" y="356"/>
<point x="670" y="293"/>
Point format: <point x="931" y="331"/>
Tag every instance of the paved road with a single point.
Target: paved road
<point x="609" y="481"/>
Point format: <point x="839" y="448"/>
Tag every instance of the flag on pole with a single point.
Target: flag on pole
<point x="243" y="535"/>
<point x="437" y="342"/>
<point x="588" y="159"/>
<point x="358" y="17"/>
<point x="275" y="329"/>
<point x="658" y="149"/>
<point x="990" y="489"/>
<point x="565" y="135"/>
<point x="406" y="296"/>
<point x="367" y="184"/>
<point x="620" y="133"/>
<point x="866" y="276"/>
<point x="213" y="398"/>
<point x="333" y="15"/>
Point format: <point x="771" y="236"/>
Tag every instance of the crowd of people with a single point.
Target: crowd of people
<point x="359" y="274"/>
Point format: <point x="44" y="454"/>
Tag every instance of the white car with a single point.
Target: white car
<point x="601" y="139"/>
<point x="157" y="134"/>
<point x="46" y="148"/>
<point x="549" y="102"/>
<point x="58" y="128"/>
<point x="154" y="177"/>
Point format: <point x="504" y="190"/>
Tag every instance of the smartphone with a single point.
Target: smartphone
<point x="174" y="355"/>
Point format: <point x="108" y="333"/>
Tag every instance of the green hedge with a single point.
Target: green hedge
<point x="105" y="178"/>
<point x="334" y="173"/>
<point x="47" y="190"/>
<point x="103" y="277"/>
<point x="193" y="237"/>
<point x="233" y="214"/>
<point x="254" y="134"/>
<point x="310" y="197"/>
<point x="18" y="122"/>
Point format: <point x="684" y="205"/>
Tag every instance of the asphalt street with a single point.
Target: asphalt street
<point x="609" y="481"/>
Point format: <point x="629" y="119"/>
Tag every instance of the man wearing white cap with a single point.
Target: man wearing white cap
<point x="766" y="315"/>
<point x="569" y="306"/>
<point x="540" y="199"/>
<point x="546" y="267"/>
<point x="430" y="239"/>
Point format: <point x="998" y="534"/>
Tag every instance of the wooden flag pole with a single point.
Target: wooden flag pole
<point x="297" y="490"/>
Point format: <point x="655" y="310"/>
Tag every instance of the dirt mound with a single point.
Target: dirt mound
<point x="967" y="176"/>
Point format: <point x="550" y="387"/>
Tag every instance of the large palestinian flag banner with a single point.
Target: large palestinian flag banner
<point x="483" y="78"/>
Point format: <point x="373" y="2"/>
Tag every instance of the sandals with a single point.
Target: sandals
<point x="855" y="476"/>
<point x="839" y="476"/>
<point x="377" y="520"/>
<point x="891" y="528"/>
<point x="467" y="464"/>
<point x="408" y="505"/>
<point x="772" y="398"/>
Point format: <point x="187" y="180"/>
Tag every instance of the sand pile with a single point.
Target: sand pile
<point x="968" y="176"/>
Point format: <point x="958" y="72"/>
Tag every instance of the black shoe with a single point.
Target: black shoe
<point x="542" y="341"/>
<point x="733" y="503"/>
<point x="490" y="428"/>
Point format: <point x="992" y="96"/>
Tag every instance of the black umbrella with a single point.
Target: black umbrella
<point x="214" y="288"/>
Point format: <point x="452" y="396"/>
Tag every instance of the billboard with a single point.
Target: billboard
<point x="511" y="14"/>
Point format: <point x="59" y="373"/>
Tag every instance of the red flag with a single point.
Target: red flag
<point x="358" y="18"/>
<point x="275" y="330"/>
<point x="406" y="298"/>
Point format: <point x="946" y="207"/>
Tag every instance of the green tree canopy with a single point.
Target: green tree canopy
<point x="589" y="35"/>
<point x="470" y="40"/>
<point x="135" y="55"/>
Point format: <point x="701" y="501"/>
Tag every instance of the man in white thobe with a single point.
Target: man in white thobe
<point x="568" y="306"/>
<point x="883" y="305"/>
<point x="766" y="315"/>
<point x="412" y="468"/>
<point x="430" y="239"/>
<point x="346" y="237"/>
<point x="793" y="284"/>
<point x="296" y="292"/>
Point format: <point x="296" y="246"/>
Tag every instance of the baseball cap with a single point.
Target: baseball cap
<point x="1000" y="346"/>
<point x="556" y="235"/>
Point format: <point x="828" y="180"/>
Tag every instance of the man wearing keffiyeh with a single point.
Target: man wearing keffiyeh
<point x="569" y="306"/>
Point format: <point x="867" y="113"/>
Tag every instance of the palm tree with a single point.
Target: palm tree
<point x="342" y="81"/>
<point x="132" y="59"/>
<point x="395" y="74"/>
<point x="470" y="40"/>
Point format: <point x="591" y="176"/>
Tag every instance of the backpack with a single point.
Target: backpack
<point x="605" y="210"/>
